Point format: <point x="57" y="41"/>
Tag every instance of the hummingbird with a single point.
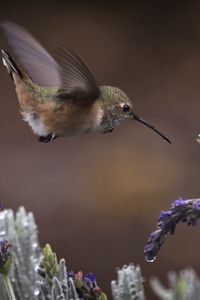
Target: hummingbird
<point x="59" y="96"/>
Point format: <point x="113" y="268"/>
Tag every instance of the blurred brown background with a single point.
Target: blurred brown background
<point x="96" y="198"/>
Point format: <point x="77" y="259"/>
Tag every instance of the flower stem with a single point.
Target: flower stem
<point x="9" y="287"/>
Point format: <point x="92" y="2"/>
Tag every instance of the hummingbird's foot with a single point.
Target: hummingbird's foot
<point x="47" y="138"/>
<point x="108" y="130"/>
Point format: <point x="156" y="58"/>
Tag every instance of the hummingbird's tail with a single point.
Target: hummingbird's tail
<point x="10" y="65"/>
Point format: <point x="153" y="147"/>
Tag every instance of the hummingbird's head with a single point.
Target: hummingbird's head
<point x="116" y="105"/>
<point x="118" y="108"/>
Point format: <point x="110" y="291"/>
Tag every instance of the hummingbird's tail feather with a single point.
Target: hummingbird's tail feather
<point x="10" y="65"/>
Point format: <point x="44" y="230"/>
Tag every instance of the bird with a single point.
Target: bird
<point x="59" y="95"/>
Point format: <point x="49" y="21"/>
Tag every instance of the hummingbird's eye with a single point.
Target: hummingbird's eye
<point x="126" y="108"/>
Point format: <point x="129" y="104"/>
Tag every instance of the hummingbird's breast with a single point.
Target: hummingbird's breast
<point x="65" y="119"/>
<point x="46" y="114"/>
<point x="68" y="119"/>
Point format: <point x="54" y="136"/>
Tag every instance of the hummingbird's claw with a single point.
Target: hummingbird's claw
<point x="47" y="138"/>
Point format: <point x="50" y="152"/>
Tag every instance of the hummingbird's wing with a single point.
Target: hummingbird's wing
<point x="38" y="63"/>
<point x="77" y="80"/>
<point x="68" y="72"/>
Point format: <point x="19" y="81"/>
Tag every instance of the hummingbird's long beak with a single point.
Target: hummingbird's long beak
<point x="141" y="120"/>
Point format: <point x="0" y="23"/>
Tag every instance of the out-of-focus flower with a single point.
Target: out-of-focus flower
<point x="5" y="257"/>
<point x="5" y="265"/>
<point x="90" y="278"/>
<point x="185" y="211"/>
<point x="182" y="286"/>
<point x="129" y="284"/>
<point x="58" y="278"/>
<point x="86" y="286"/>
<point x="49" y="265"/>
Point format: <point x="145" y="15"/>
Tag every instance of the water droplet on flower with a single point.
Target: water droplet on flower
<point x="2" y="233"/>
<point x="152" y="259"/>
<point x="2" y="216"/>
<point x="36" y="292"/>
<point x="34" y="245"/>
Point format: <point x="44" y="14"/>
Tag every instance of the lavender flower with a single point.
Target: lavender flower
<point x="185" y="211"/>
<point x="5" y="265"/>
<point x="86" y="286"/>
<point x="5" y="257"/>
<point x="90" y="278"/>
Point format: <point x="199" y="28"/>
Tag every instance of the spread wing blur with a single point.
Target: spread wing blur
<point x="68" y="72"/>
<point x="77" y="80"/>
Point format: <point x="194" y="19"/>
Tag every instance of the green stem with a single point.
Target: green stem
<point x="9" y="287"/>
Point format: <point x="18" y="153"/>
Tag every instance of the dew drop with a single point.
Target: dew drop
<point x="152" y="259"/>
<point x="2" y="233"/>
<point x="36" y="292"/>
<point x="34" y="245"/>
<point x="2" y="216"/>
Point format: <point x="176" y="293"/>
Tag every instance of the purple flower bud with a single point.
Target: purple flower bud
<point x="197" y="205"/>
<point x="5" y="257"/>
<point x="164" y="214"/>
<point x="90" y="277"/>
<point x="86" y="286"/>
<point x="180" y="202"/>
<point x="70" y="274"/>
<point x="4" y="252"/>
<point x="185" y="211"/>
